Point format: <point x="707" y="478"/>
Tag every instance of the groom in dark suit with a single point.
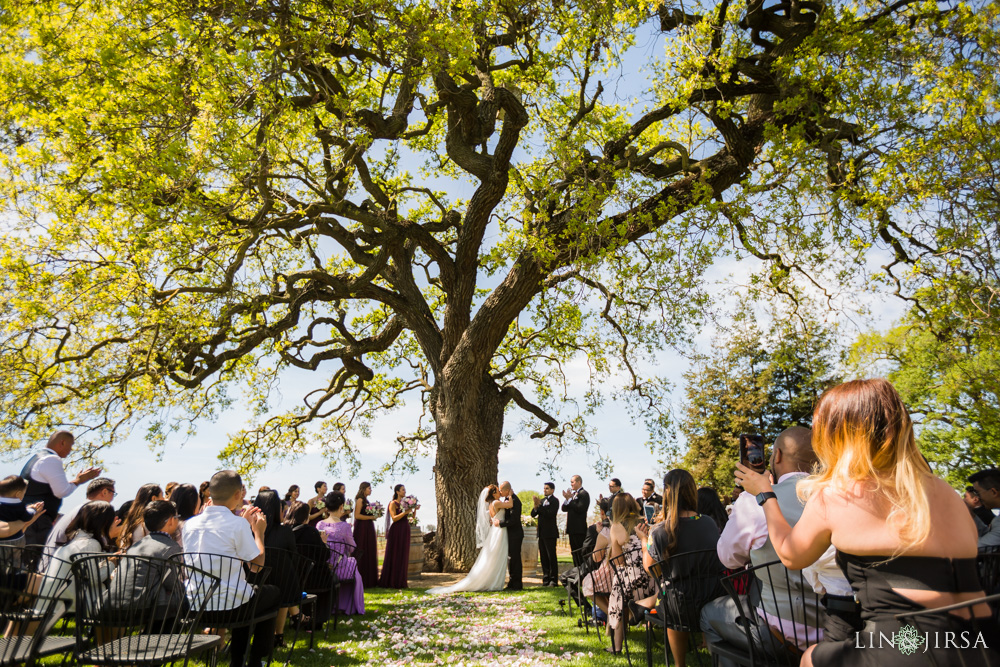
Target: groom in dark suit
<point x="515" y="535"/>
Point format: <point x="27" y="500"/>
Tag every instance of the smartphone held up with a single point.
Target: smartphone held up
<point x="752" y="452"/>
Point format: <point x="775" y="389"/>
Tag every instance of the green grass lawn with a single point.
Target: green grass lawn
<point x="412" y="628"/>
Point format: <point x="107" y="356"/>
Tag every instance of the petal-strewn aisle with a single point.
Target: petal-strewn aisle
<point x="481" y="629"/>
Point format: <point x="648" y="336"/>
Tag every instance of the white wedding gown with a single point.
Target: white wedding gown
<point x="490" y="569"/>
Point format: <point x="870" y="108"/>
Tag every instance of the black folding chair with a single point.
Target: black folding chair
<point x="686" y="581"/>
<point x="988" y="564"/>
<point x="147" y="614"/>
<point x="596" y="559"/>
<point x="626" y="579"/>
<point x="320" y="583"/>
<point x="780" y="640"/>
<point x="338" y="552"/>
<point x="31" y="604"/>
<point x="975" y="639"/>
<point x="229" y="569"/>
<point x="288" y="572"/>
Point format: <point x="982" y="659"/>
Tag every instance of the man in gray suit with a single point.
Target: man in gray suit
<point x="141" y="580"/>
<point x="745" y="540"/>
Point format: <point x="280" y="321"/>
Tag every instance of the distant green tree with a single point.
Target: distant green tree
<point x="946" y="366"/>
<point x="753" y="382"/>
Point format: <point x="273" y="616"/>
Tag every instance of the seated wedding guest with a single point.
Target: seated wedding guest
<point x="982" y="514"/>
<point x="396" y="562"/>
<point x="138" y="579"/>
<point x="12" y="508"/>
<point x="366" y="552"/>
<point x="283" y="574"/>
<point x="218" y="531"/>
<point x="340" y="540"/>
<point x="203" y="492"/>
<point x="682" y="531"/>
<point x="133" y="529"/>
<point x="168" y="489"/>
<point x="710" y="505"/>
<point x="101" y="488"/>
<point x="595" y="571"/>
<point x="310" y="545"/>
<point x="903" y="537"/>
<point x="636" y="583"/>
<point x="744" y="541"/>
<point x="88" y="536"/>
<point x="986" y="486"/>
<point x="187" y="500"/>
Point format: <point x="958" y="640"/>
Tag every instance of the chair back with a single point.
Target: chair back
<point x="137" y="608"/>
<point x="319" y="578"/>
<point x="687" y="582"/>
<point x="974" y="636"/>
<point x="988" y="563"/>
<point x="339" y="551"/>
<point x="773" y="639"/>
<point x="284" y="574"/>
<point x="626" y="573"/>
<point x="30" y="603"/>
<point x="236" y="584"/>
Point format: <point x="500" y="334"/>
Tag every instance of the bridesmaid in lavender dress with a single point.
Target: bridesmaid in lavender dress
<point x="396" y="564"/>
<point x="341" y="543"/>
<point x="364" y="536"/>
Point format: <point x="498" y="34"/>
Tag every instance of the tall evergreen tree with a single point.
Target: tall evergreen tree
<point x="753" y="382"/>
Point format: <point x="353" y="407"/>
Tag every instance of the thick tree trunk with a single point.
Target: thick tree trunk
<point x="468" y="417"/>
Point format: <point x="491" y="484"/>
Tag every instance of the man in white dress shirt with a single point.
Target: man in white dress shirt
<point x="47" y="483"/>
<point x="745" y="540"/>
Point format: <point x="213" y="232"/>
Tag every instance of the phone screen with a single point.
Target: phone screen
<point x="752" y="452"/>
<point x="649" y="510"/>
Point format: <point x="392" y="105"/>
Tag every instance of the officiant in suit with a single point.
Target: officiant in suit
<point x="546" y="510"/>
<point x="515" y="535"/>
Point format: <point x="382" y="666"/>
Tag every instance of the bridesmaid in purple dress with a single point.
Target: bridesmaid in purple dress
<point x="396" y="563"/>
<point x="341" y="543"/>
<point x="364" y="536"/>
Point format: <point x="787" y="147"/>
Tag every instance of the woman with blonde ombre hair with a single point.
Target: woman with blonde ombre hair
<point x="904" y="538"/>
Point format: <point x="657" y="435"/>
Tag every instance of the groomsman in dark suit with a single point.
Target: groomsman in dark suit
<point x="576" y="503"/>
<point x="515" y="535"/>
<point x="546" y="510"/>
<point x="649" y="497"/>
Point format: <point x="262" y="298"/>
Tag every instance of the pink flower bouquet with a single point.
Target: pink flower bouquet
<point x="375" y="509"/>
<point x="410" y="503"/>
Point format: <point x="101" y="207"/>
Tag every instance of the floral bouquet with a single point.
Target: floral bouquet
<point x="527" y="520"/>
<point x="375" y="509"/>
<point x="348" y="507"/>
<point x="410" y="503"/>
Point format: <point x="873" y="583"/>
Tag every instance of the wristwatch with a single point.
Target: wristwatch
<point x="764" y="496"/>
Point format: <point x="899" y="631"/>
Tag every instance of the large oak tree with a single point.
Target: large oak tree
<point x="451" y="199"/>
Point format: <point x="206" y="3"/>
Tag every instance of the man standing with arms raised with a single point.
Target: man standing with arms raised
<point x="47" y="483"/>
<point x="576" y="503"/>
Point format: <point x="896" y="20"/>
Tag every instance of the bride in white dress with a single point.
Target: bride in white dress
<point x="490" y="569"/>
